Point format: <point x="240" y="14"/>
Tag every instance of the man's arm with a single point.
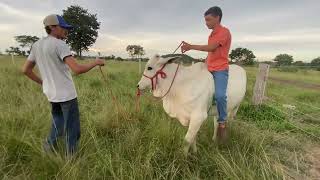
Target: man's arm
<point x="27" y="69"/>
<point x="81" y="68"/>
<point x="207" y="48"/>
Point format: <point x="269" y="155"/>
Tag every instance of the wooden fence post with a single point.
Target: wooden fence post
<point x="12" y="59"/>
<point x="260" y="85"/>
<point x="140" y="66"/>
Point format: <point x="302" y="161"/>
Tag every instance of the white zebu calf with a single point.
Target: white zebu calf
<point x="187" y="92"/>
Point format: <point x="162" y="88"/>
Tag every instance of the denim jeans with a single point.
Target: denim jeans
<point x="65" y="122"/>
<point x="220" y="85"/>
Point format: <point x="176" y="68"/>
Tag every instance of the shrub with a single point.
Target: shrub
<point x="288" y="69"/>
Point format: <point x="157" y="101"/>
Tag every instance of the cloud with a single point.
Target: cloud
<point x="306" y="36"/>
<point x="11" y="14"/>
<point x="266" y="27"/>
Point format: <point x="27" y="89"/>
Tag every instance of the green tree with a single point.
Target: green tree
<point x="135" y="51"/>
<point x="26" y="41"/>
<point x="299" y="63"/>
<point x="110" y="57"/>
<point x="315" y="62"/>
<point x="141" y="52"/>
<point x="119" y="59"/>
<point x="283" y="59"/>
<point x="15" y="51"/>
<point x="85" y="31"/>
<point x="242" y="56"/>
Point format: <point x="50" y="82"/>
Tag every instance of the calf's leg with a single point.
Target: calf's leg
<point x="215" y="128"/>
<point x="196" y="121"/>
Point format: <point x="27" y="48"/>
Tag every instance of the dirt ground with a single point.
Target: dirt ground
<point x="314" y="158"/>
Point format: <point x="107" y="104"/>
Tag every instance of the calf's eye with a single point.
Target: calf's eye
<point x="149" y="68"/>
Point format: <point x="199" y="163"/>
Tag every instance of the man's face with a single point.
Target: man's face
<point x="63" y="33"/>
<point x="60" y="32"/>
<point x="211" y="21"/>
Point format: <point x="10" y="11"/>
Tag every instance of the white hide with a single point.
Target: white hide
<point x="191" y="94"/>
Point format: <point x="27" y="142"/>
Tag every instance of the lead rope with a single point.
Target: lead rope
<point x="114" y="98"/>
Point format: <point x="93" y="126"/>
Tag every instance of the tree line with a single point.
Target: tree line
<point x="245" y="56"/>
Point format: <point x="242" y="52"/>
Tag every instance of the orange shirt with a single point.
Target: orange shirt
<point x="218" y="59"/>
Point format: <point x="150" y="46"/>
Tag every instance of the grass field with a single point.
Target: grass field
<point x="117" y="142"/>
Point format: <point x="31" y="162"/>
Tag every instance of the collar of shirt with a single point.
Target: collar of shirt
<point x="216" y="29"/>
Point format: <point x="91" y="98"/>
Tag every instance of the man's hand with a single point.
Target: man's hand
<point x="207" y="48"/>
<point x="185" y="47"/>
<point x="99" y="62"/>
<point x="82" y="68"/>
<point x="27" y="69"/>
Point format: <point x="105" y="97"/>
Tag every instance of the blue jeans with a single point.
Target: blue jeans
<point x="220" y="85"/>
<point x="65" y="122"/>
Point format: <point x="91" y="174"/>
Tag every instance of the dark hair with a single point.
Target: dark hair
<point x="48" y="29"/>
<point x="214" y="11"/>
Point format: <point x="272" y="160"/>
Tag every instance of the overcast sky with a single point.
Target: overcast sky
<point x="268" y="28"/>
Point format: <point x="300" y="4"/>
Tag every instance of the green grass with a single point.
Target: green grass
<point x="303" y="75"/>
<point x="119" y="143"/>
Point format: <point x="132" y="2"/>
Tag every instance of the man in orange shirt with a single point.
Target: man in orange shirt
<point x="218" y="50"/>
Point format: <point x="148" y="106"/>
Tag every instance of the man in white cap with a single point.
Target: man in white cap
<point x="53" y="57"/>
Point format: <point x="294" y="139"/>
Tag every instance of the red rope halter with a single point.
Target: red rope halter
<point x="163" y="75"/>
<point x="155" y="77"/>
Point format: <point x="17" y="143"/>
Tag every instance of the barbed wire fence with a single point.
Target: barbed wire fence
<point x="292" y="109"/>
